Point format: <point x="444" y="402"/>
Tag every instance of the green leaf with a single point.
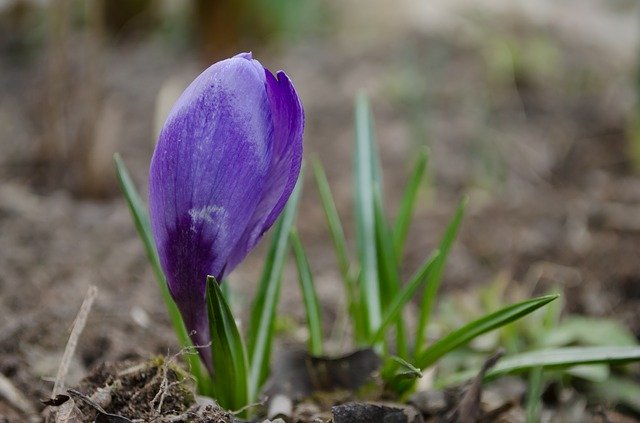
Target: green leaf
<point x="534" y="395"/>
<point x="229" y="358"/>
<point x="405" y="295"/>
<point x="594" y="373"/>
<point x="401" y="227"/>
<point x="619" y="390"/>
<point x="570" y="360"/>
<point x="588" y="331"/>
<point x="226" y="291"/>
<point x="141" y="221"/>
<point x="309" y="296"/>
<point x="401" y="370"/>
<point x="365" y="177"/>
<point x="333" y="219"/>
<point x="340" y="248"/>
<point x="388" y="273"/>
<point x="463" y="335"/>
<point x="263" y="311"/>
<point x="435" y="277"/>
<point x="562" y="358"/>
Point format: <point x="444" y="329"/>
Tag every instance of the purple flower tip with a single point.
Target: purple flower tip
<point x="225" y="164"/>
<point x="246" y="55"/>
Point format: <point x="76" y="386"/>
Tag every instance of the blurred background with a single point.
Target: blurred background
<point x="529" y="107"/>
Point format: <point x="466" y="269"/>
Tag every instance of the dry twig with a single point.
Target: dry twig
<point x="78" y="326"/>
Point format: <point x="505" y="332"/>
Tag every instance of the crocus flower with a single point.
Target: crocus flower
<point x="225" y="164"/>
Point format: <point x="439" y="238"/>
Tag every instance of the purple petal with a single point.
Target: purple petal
<point x="212" y="161"/>
<point x="284" y="168"/>
<point x="247" y="55"/>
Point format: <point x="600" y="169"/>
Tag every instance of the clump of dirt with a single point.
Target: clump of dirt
<point x="154" y="390"/>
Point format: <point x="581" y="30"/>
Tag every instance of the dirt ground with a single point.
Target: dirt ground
<point x="523" y="115"/>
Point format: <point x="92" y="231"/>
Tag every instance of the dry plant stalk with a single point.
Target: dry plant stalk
<point x="78" y="327"/>
<point x="16" y="398"/>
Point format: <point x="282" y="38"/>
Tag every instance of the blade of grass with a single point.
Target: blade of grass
<point x="263" y="311"/>
<point x="226" y="291"/>
<point x="401" y="226"/>
<point x="561" y="358"/>
<point x="619" y="390"/>
<point x="309" y="296"/>
<point x="534" y="394"/>
<point x="435" y="277"/>
<point x="550" y="359"/>
<point x="333" y="219"/>
<point x="389" y="274"/>
<point x="143" y="227"/>
<point x="228" y="354"/>
<point x="400" y="370"/>
<point x="365" y="163"/>
<point x="340" y="248"/>
<point x="466" y="333"/>
<point x="405" y="295"/>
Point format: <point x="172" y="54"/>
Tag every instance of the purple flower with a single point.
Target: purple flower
<point x="225" y="164"/>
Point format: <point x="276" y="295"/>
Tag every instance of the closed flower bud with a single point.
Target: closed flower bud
<point x="226" y="162"/>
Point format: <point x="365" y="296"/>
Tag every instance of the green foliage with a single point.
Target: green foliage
<point x="403" y="220"/>
<point x="544" y="343"/>
<point x="478" y="327"/>
<point x="311" y="305"/>
<point x="621" y="390"/>
<point x="340" y="249"/>
<point x="393" y="312"/>
<point x="374" y="275"/>
<point x="389" y="270"/>
<point x="434" y="278"/>
<point x="534" y="393"/>
<point x="263" y="310"/>
<point x="366" y="177"/>
<point x="379" y="248"/>
<point x="563" y="358"/>
<point x="581" y="330"/>
<point x="229" y="381"/>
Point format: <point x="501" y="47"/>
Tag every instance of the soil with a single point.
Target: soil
<point x="529" y="122"/>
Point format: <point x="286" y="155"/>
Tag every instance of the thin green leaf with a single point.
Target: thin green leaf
<point x="562" y="358"/>
<point x="365" y="177"/>
<point x="478" y="327"/>
<point x="263" y="311"/>
<point x="534" y="396"/>
<point x="407" y="369"/>
<point x="388" y="272"/>
<point x="226" y="291"/>
<point x="401" y="227"/>
<point x="569" y="360"/>
<point x="141" y="221"/>
<point x="619" y="390"/>
<point x="333" y="219"/>
<point x="229" y="357"/>
<point x="594" y="373"/>
<point x="340" y="247"/>
<point x="405" y="295"/>
<point x="309" y="296"/>
<point x="579" y="330"/>
<point x="435" y="277"/>
<point x="388" y="267"/>
<point x="398" y="370"/>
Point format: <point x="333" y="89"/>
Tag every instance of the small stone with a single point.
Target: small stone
<point x="430" y="402"/>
